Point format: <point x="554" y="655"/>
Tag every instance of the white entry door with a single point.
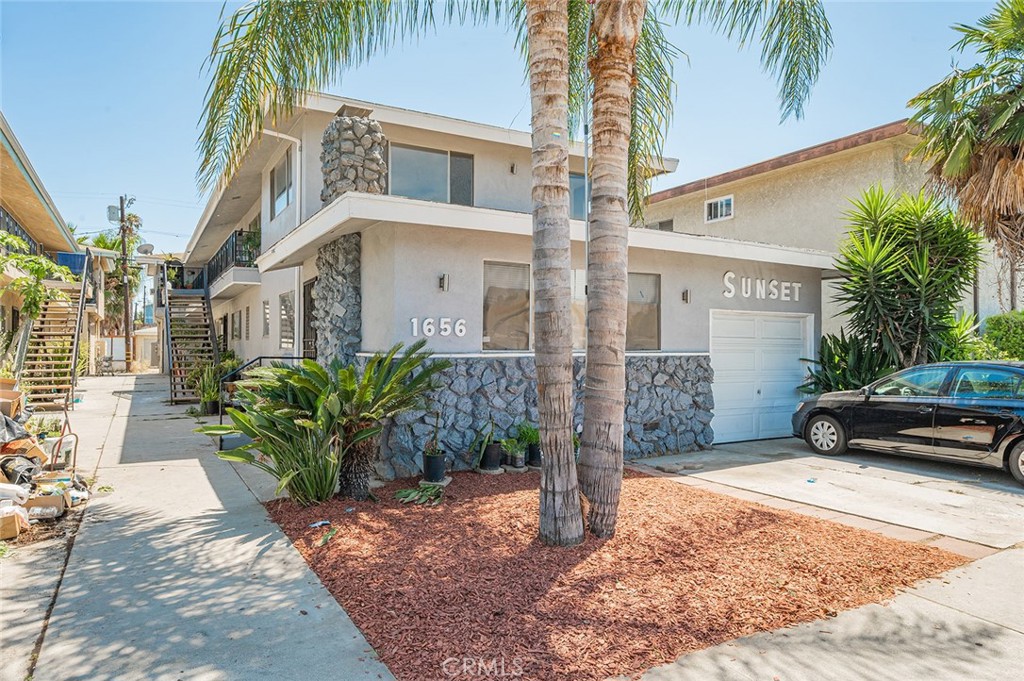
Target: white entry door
<point x="757" y="363"/>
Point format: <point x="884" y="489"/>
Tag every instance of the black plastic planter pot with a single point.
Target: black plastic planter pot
<point x="211" y="408"/>
<point x="492" y="458"/>
<point x="533" y="456"/>
<point x="433" y="467"/>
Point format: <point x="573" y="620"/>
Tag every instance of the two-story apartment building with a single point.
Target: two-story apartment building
<point x="27" y="211"/>
<point x="377" y="225"/>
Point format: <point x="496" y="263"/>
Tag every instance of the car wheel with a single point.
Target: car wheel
<point x="1016" y="462"/>
<point x="825" y="435"/>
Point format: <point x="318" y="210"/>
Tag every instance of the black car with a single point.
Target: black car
<point x="968" y="412"/>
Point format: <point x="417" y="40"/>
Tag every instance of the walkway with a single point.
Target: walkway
<point x="178" y="573"/>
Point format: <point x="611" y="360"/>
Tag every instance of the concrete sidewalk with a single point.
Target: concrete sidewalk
<point x="179" y="572"/>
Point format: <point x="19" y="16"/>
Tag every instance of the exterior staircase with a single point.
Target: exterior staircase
<point x="48" y="374"/>
<point x="192" y="340"/>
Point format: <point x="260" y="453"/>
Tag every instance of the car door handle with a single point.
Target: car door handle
<point x="923" y="410"/>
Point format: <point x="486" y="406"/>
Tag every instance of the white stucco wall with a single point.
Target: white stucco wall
<point x="402" y="265"/>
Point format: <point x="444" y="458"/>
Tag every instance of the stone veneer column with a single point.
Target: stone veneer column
<point x="353" y="159"/>
<point x="338" y="299"/>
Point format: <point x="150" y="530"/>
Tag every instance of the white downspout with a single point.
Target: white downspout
<point x="297" y="307"/>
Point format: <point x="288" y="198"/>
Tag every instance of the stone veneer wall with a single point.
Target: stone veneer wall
<point x="354" y="157"/>
<point x="337" y="297"/>
<point x="668" y="408"/>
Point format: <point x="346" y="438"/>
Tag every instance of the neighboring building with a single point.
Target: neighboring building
<point x="353" y="226"/>
<point x="27" y="211"/>
<point x="796" y="200"/>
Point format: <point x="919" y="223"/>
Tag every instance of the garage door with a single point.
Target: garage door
<point x="757" y="363"/>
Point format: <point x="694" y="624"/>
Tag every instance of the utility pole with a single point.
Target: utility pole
<point x="127" y="291"/>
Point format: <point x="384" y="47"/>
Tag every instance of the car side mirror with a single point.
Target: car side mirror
<point x="865" y="391"/>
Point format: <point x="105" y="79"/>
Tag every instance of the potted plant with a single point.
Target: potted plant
<point x="434" y="457"/>
<point x="488" y="452"/>
<point x="208" y="389"/>
<point x="516" y="452"/>
<point x="529" y="436"/>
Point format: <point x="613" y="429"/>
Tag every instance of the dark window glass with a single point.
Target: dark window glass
<point x="986" y="383"/>
<point x="281" y="190"/>
<point x="462" y="179"/>
<point x="917" y="382"/>
<point x="577" y="197"/>
<point x="419" y="173"/>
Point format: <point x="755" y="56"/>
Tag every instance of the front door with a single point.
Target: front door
<point x="978" y="413"/>
<point x="898" y="416"/>
<point x="308" y="315"/>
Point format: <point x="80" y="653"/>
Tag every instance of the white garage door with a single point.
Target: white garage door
<point x="757" y="363"/>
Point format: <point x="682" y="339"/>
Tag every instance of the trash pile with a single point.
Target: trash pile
<point x="38" y="482"/>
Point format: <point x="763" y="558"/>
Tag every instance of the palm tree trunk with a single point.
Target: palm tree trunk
<point x="356" y="467"/>
<point x="561" y="520"/>
<point x="617" y="28"/>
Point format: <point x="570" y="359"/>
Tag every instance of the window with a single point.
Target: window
<point x="432" y="175"/>
<point x="918" y="382"/>
<point x="282" y="192"/>
<point x="246" y="322"/>
<point x="577" y="197"/>
<point x="236" y="325"/>
<point x="718" y="209"/>
<point x="643" y="312"/>
<point x="984" y="383"/>
<point x="266" y="318"/>
<point x="287" y="319"/>
<point x="506" y="306"/>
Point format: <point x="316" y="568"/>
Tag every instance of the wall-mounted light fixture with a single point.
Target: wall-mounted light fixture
<point x="442" y="282"/>
<point x="686" y="295"/>
<point x="513" y="168"/>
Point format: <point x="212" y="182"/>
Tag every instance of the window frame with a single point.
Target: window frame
<point x="281" y="318"/>
<point x="960" y="371"/>
<point x="289" y="190"/>
<point x="483" y="298"/>
<point x="582" y="176"/>
<point x="448" y="169"/>
<point x="266" y="318"/>
<point x="720" y="199"/>
<point x="657" y="275"/>
<point x="940" y="391"/>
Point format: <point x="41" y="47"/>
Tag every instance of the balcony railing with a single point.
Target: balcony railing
<point x="239" y="250"/>
<point x="12" y="226"/>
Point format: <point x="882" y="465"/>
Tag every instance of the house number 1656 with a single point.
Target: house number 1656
<point x="445" y="326"/>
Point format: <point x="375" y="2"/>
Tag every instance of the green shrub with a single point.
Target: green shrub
<point x="962" y="343"/>
<point x="1005" y="332"/>
<point x="845" y="363"/>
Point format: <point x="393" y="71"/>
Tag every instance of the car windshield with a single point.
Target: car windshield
<point x="916" y="382"/>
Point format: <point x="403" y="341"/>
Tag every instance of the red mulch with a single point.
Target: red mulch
<point x="687" y="569"/>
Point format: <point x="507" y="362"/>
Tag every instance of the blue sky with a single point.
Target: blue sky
<point x="106" y="96"/>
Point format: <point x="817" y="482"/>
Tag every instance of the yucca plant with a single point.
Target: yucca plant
<point x="906" y="264"/>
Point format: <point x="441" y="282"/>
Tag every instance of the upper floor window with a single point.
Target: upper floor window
<point x="662" y="225"/>
<point x="577" y="196"/>
<point x="432" y="175"/>
<point x="718" y="209"/>
<point x="282" y="191"/>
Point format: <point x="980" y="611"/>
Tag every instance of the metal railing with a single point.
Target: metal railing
<point x="181" y="278"/>
<point x="239" y="250"/>
<point x="238" y="374"/>
<point x="86" y="283"/>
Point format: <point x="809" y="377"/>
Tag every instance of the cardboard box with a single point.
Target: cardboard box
<point x="8" y="383"/>
<point x="61" y="502"/>
<point x="11" y="402"/>
<point x="10" y="527"/>
<point x="26" y="448"/>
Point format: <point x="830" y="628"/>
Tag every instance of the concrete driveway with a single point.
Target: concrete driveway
<point x="983" y="507"/>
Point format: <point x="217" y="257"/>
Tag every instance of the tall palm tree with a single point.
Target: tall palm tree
<point x="796" y="40"/>
<point x="547" y="27"/>
<point x="972" y="128"/>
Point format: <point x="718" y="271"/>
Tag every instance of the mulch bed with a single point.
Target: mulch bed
<point x="468" y="580"/>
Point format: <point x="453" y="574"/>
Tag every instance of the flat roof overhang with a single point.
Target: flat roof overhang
<point x="233" y="281"/>
<point x="354" y="212"/>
